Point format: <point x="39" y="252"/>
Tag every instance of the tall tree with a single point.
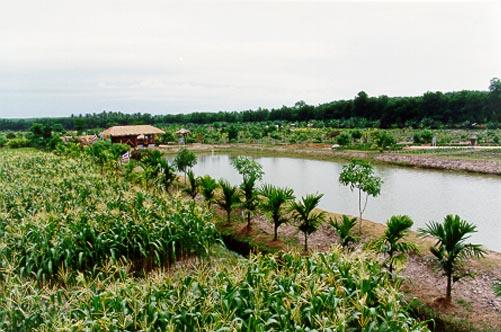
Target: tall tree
<point x="275" y="201"/>
<point x="359" y="175"/>
<point x="451" y="250"/>
<point x="308" y="219"/>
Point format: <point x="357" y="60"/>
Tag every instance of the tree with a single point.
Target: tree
<point x="392" y="243"/>
<point x="208" y="185"/>
<point x="343" y="229"/>
<point x="251" y="172"/>
<point x="308" y="219"/>
<point x="248" y="167"/>
<point x="275" y="199"/>
<point x="359" y="175"/>
<point x="192" y="188"/>
<point x="229" y="198"/>
<point x="450" y="250"/>
<point x="185" y="159"/>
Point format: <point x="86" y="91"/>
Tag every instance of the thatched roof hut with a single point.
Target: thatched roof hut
<point x="130" y="134"/>
<point x="121" y="131"/>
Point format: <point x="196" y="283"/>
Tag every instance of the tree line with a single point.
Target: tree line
<point x="432" y="109"/>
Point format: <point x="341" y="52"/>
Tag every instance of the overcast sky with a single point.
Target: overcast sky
<point x="59" y="57"/>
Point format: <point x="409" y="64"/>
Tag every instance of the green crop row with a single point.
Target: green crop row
<point x="324" y="292"/>
<point x="60" y="213"/>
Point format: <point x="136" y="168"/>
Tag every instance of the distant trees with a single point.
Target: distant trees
<point x="274" y="203"/>
<point x="359" y="175"/>
<point x="432" y="109"/>
<point x="308" y="220"/>
<point x="451" y="249"/>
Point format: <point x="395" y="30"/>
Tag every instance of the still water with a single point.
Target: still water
<point x="422" y="194"/>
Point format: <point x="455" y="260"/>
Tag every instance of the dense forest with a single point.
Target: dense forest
<point x="459" y="109"/>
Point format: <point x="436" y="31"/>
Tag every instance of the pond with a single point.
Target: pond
<point x="422" y="194"/>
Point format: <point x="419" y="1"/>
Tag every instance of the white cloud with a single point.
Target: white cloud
<point x="59" y="57"/>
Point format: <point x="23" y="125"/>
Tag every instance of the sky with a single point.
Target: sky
<point x="60" y="57"/>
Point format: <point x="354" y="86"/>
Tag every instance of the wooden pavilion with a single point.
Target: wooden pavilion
<point x="132" y="135"/>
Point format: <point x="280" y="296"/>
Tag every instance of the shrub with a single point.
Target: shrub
<point x="344" y="138"/>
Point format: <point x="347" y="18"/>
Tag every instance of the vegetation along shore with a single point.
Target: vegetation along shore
<point x="109" y="243"/>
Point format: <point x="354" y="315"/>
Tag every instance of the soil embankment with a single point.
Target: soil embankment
<point x="324" y="151"/>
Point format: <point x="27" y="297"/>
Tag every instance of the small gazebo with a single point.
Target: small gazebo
<point x="182" y="133"/>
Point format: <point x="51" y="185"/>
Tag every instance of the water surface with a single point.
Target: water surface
<point x="422" y="194"/>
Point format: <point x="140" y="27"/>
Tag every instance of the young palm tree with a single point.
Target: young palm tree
<point x="309" y="220"/>
<point x="450" y="250"/>
<point x="230" y="197"/>
<point x="275" y="199"/>
<point x="497" y="288"/>
<point x="392" y="243"/>
<point x="168" y="172"/>
<point x="343" y="229"/>
<point x="250" y="202"/>
<point x="192" y="188"/>
<point x="208" y="185"/>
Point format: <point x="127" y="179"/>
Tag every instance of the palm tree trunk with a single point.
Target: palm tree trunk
<point x="228" y="213"/>
<point x="276" y="233"/>
<point x="248" y="220"/>
<point x="360" y="210"/>
<point x="305" y="242"/>
<point x="448" y="294"/>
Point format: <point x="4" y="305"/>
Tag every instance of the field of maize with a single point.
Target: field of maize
<point x="82" y="249"/>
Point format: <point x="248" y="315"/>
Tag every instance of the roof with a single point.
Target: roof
<point x="118" y="131"/>
<point x="183" y="131"/>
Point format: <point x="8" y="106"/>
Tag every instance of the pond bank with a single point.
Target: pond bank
<point x="324" y="152"/>
<point x="475" y="307"/>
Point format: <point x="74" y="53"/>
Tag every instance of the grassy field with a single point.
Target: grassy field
<point x="83" y="249"/>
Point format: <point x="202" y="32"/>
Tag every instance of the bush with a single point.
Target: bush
<point x="356" y="134"/>
<point x="3" y="141"/>
<point x="424" y="136"/>
<point x="344" y="138"/>
<point x="19" y="142"/>
<point x="384" y="140"/>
